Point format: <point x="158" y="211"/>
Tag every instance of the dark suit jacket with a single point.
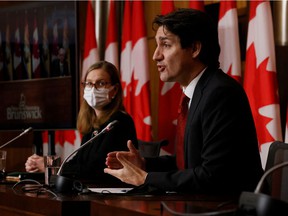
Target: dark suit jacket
<point x="221" y="148"/>
<point x="89" y="163"/>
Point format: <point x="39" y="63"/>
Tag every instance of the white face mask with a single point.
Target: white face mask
<point x="97" y="98"/>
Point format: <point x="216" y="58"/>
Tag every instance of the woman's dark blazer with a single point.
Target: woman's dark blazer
<point x="89" y="163"/>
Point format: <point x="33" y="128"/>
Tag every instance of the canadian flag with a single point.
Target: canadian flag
<point x="36" y="52"/>
<point x="198" y="5"/>
<point x="134" y="69"/>
<point x="125" y="58"/>
<point x="66" y="141"/>
<point x="169" y="98"/>
<point x="260" y="81"/>
<point x="230" y="62"/>
<point x="111" y="51"/>
<point x="91" y="54"/>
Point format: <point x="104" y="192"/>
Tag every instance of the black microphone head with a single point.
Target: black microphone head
<point x="111" y="125"/>
<point x="28" y="129"/>
<point x="67" y="185"/>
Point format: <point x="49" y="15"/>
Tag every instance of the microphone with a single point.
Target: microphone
<point x="261" y="204"/>
<point x="64" y="184"/>
<point x="268" y="172"/>
<point x="106" y="129"/>
<point x="17" y="137"/>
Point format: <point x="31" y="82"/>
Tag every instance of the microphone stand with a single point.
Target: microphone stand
<point x="17" y="137"/>
<point x="261" y="204"/>
<point x="64" y="184"/>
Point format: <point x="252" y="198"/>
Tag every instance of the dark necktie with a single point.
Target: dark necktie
<point x="181" y="124"/>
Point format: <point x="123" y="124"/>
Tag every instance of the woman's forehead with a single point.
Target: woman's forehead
<point x="96" y="73"/>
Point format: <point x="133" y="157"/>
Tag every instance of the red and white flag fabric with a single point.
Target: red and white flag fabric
<point x="230" y="62"/>
<point x="125" y="56"/>
<point x="198" y="5"/>
<point x="36" y="52"/>
<point x="66" y="141"/>
<point x="135" y="77"/>
<point x="91" y="54"/>
<point x="169" y="98"/>
<point x="111" y="48"/>
<point x="260" y="80"/>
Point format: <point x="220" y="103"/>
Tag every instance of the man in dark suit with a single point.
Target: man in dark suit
<point x="60" y="65"/>
<point x="220" y="148"/>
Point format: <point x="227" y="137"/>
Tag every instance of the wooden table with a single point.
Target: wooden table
<point x="161" y="205"/>
<point x="16" y="202"/>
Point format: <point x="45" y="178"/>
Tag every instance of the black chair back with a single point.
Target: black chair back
<point x="151" y="149"/>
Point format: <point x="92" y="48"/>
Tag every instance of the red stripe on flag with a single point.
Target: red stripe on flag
<point x="125" y="62"/>
<point x="90" y="47"/>
<point x="134" y="69"/>
<point x="260" y="80"/>
<point x="111" y="52"/>
<point x="141" y="79"/>
<point x="230" y="62"/>
<point x="198" y="5"/>
<point x="169" y="95"/>
<point x="167" y="7"/>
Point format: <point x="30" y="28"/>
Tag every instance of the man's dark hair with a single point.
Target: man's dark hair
<point x="190" y="26"/>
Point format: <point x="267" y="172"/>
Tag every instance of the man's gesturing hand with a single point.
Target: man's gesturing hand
<point x="127" y="166"/>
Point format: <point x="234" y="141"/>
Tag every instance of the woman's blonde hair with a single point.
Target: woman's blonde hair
<point x="87" y="119"/>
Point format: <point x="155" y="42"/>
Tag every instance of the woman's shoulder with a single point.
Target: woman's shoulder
<point x="121" y="115"/>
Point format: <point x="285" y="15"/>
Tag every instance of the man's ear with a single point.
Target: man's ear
<point x="196" y="48"/>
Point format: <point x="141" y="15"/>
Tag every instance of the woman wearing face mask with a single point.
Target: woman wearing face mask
<point x="102" y="103"/>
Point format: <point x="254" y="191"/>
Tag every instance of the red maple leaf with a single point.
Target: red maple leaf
<point x="138" y="107"/>
<point x="61" y="136"/>
<point x="261" y="87"/>
<point x="236" y="77"/>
